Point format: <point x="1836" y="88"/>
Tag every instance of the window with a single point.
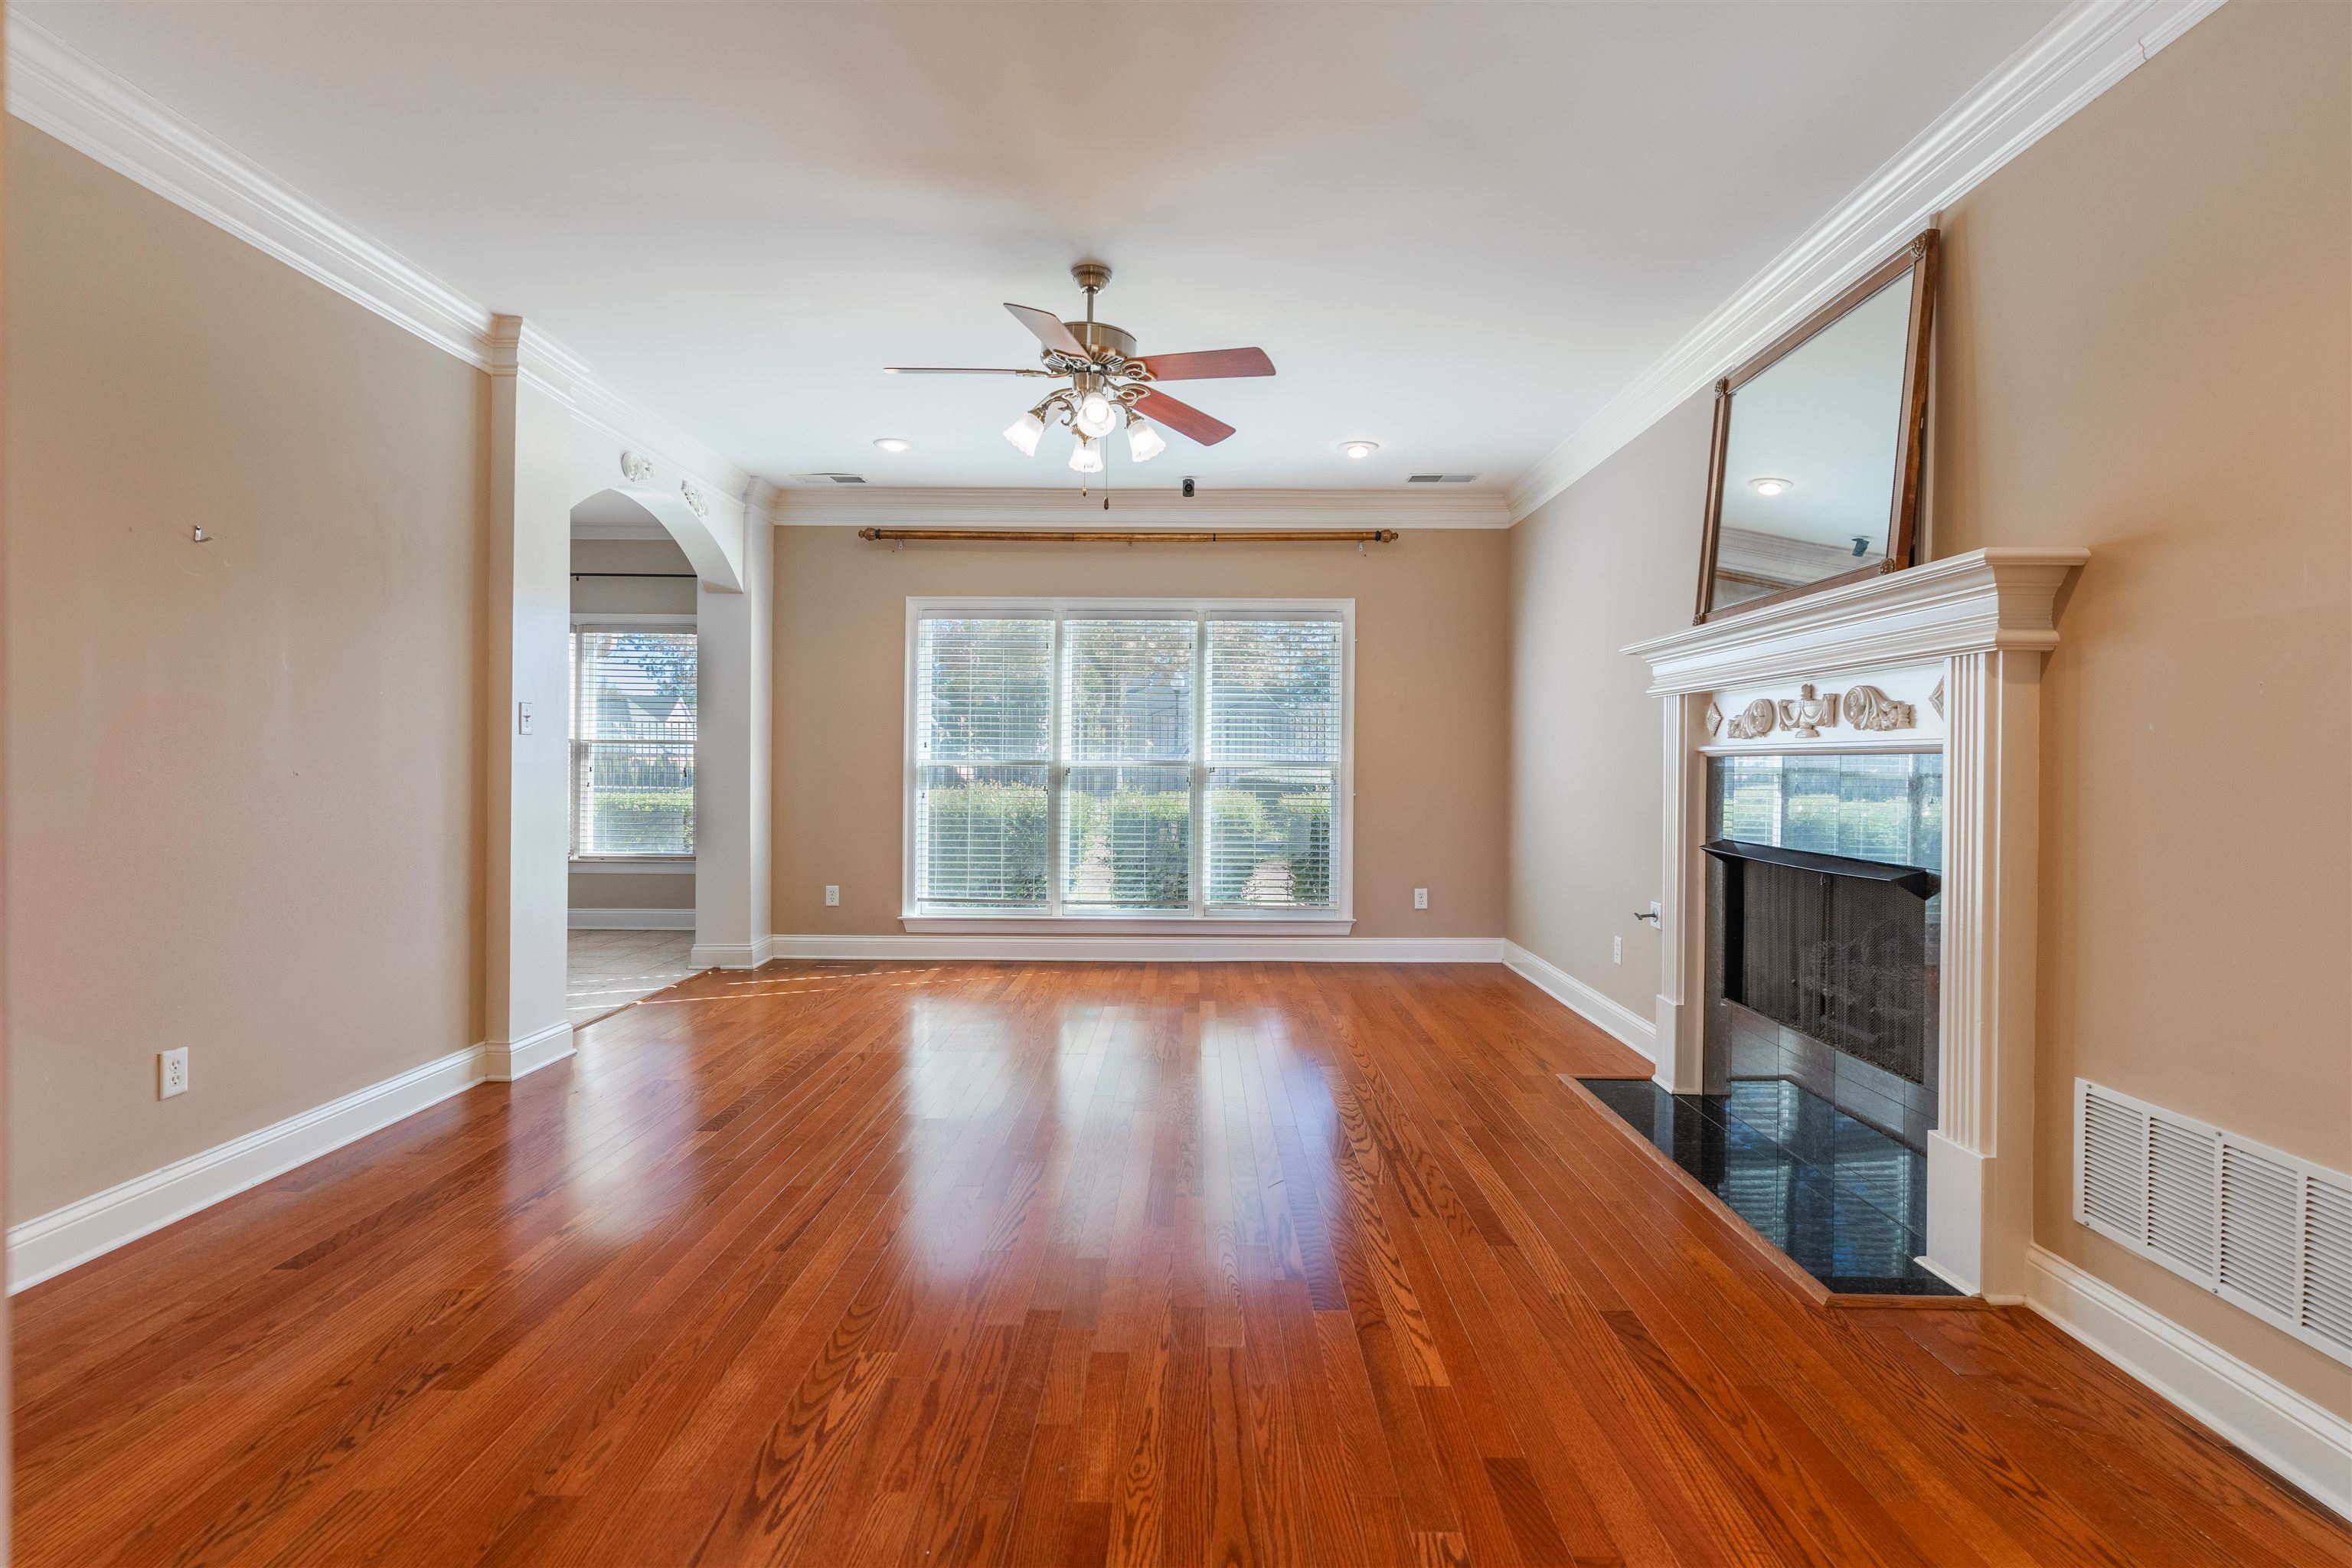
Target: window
<point x="632" y="699"/>
<point x="1145" y="760"/>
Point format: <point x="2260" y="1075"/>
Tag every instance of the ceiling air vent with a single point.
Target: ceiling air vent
<point x="836" y="479"/>
<point x="1440" y="478"/>
<point x="2262" y="1229"/>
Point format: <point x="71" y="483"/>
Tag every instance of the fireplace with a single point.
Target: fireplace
<point x="1940" y="662"/>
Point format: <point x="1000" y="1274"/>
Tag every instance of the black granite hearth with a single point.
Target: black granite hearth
<point x="1845" y="1200"/>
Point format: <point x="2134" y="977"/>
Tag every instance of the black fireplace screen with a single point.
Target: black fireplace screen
<point x="1832" y="947"/>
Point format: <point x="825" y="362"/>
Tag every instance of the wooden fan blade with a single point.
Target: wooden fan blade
<point x="1213" y="365"/>
<point x="1183" y="418"/>
<point x="955" y="370"/>
<point x="1049" y="328"/>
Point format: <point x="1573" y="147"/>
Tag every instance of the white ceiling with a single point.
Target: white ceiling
<point x="1457" y="228"/>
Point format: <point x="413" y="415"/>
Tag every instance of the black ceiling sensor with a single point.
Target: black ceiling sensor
<point x="1188" y="489"/>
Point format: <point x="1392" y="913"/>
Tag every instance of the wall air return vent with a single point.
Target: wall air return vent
<point x="1440" y="478"/>
<point x="2263" y="1231"/>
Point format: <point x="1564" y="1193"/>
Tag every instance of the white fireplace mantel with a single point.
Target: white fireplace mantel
<point x="1986" y="619"/>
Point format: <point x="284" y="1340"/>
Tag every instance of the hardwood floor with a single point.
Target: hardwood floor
<point x="1062" y="1264"/>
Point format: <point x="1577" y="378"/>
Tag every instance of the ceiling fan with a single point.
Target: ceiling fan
<point x="1109" y="385"/>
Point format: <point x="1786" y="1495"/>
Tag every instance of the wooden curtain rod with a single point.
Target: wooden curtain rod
<point x="1160" y="536"/>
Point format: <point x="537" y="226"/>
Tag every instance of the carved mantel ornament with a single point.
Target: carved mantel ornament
<point x="1809" y="715"/>
<point x="1755" y="721"/>
<point x="1868" y="708"/>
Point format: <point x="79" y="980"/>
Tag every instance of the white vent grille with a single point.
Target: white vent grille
<point x="1440" y="478"/>
<point x="2328" y="1259"/>
<point x="2264" y="1230"/>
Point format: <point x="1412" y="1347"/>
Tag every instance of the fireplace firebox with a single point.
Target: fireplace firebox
<point x="1824" y="929"/>
<point x="1833" y="947"/>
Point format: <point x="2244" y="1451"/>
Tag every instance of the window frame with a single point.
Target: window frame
<point x="619" y="621"/>
<point x="1337" y="919"/>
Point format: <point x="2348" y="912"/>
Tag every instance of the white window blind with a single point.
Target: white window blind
<point x="1274" y="756"/>
<point x="1160" y="761"/>
<point x="633" y="707"/>
<point x="984" y="752"/>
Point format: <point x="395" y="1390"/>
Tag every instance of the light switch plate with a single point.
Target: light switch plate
<point x="522" y="717"/>
<point x="1616" y="950"/>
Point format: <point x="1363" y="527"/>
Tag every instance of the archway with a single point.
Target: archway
<point x="632" y="753"/>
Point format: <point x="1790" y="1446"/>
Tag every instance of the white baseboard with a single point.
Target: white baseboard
<point x="632" y="920"/>
<point x="1219" y="949"/>
<point x="732" y="955"/>
<point x="1612" y="1017"/>
<point x="2308" y="1445"/>
<point x="57" y="1241"/>
<point x="507" y="1060"/>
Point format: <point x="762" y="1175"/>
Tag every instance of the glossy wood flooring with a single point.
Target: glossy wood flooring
<point x="1051" y="1264"/>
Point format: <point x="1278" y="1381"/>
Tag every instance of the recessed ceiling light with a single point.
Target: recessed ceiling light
<point x="891" y="443"/>
<point x="1359" y="448"/>
<point x="1771" y="486"/>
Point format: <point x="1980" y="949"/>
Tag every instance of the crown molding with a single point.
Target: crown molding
<point x="2091" y="47"/>
<point x="1240" y="511"/>
<point x="56" y="89"/>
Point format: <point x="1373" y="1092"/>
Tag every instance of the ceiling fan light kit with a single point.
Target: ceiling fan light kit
<point x="1109" y="384"/>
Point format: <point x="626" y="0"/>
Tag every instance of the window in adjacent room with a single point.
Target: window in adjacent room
<point x="633" y="703"/>
<point x="1143" y="759"/>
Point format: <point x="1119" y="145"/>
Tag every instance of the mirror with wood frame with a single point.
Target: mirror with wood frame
<point x="1814" y="477"/>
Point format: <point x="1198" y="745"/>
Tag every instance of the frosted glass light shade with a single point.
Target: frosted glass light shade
<point x="1097" y="414"/>
<point x="1086" y="455"/>
<point x="1143" y="442"/>
<point x="1024" y="433"/>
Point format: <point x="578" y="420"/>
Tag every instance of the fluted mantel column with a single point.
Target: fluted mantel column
<point x="1979" y="1157"/>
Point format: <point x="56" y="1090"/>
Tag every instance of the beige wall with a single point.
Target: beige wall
<point x="631" y="595"/>
<point x="1612" y="560"/>
<point x="1429" y="704"/>
<point x="243" y="776"/>
<point x="2146" y="348"/>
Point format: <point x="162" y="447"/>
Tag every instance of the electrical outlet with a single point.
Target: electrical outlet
<point x="171" y="1073"/>
<point x="831" y="896"/>
<point x="1420" y="898"/>
<point x="1616" y="950"/>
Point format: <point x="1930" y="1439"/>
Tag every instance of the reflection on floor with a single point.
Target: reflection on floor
<point x="1843" y="1199"/>
<point x="611" y="969"/>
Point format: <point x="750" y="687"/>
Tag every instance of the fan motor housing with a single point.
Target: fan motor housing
<point x="1102" y="339"/>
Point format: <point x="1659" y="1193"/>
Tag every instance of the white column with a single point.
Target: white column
<point x="1980" y="1155"/>
<point x="529" y="620"/>
<point x="1682" y="920"/>
<point x="733" y="755"/>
